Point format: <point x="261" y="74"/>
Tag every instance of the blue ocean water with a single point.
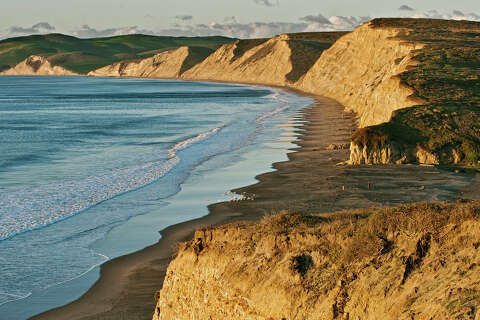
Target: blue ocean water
<point x="92" y="168"/>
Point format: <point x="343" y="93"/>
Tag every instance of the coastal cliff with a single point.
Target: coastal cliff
<point x="168" y="64"/>
<point x="361" y="72"/>
<point x="248" y="61"/>
<point x="414" y="90"/>
<point x="419" y="261"/>
<point x="445" y="127"/>
<point x="37" y="66"/>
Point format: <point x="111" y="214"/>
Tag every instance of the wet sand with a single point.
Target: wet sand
<point x="311" y="181"/>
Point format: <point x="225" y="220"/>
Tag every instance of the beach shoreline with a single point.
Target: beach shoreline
<point x="310" y="181"/>
<point x="116" y="273"/>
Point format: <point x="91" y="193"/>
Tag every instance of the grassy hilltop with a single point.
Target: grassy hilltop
<point x="84" y="55"/>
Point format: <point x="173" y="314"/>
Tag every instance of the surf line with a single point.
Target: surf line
<point x="106" y="258"/>
<point x="156" y="171"/>
<point x="14" y="296"/>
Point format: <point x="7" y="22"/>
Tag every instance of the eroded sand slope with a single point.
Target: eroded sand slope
<point x="360" y="71"/>
<point x="37" y="66"/>
<point x="168" y="64"/>
<point x="267" y="63"/>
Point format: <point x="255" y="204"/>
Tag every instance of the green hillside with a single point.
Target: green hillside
<point x="84" y="55"/>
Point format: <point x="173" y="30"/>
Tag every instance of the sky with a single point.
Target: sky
<point x="234" y="18"/>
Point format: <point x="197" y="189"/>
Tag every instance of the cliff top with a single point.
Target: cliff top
<point x="419" y="25"/>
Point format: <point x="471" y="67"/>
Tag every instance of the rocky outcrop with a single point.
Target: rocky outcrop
<point x="168" y="64"/>
<point x="420" y="261"/>
<point x="37" y="66"/>
<point x="391" y="153"/>
<point x="360" y="71"/>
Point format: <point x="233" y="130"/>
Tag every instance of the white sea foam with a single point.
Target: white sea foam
<point x="13" y="297"/>
<point x="278" y="97"/>
<point x="33" y="208"/>
<point x="81" y="274"/>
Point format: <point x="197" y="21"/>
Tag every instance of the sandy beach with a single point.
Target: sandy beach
<point x="311" y="181"/>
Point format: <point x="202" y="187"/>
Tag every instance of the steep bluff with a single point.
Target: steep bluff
<point x="168" y="64"/>
<point x="267" y="63"/>
<point x="414" y="89"/>
<point x="413" y="262"/>
<point x="361" y="72"/>
<point x="281" y="61"/>
<point x="445" y="127"/>
<point x="37" y="66"/>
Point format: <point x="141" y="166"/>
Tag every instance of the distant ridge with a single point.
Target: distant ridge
<point x="84" y="55"/>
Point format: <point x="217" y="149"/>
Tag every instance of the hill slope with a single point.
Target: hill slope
<point x="168" y="64"/>
<point x="37" y="66"/>
<point x="84" y="55"/>
<point x="281" y="60"/>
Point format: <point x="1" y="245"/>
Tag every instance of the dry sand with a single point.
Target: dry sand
<point x="309" y="182"/>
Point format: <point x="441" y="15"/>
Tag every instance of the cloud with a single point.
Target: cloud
<point x="406" y="8"/>
<point x="231" y="19"/>
<point x="184" y="17"/>
<point x="86" y="31"/>
<point x="454" y="15"/>
<point x="44" y="26"/>
<point x="231" y="28"/>
<point x="39" y="28"/>
<point x="267" y="3"/>
<point x="316" y="19"/>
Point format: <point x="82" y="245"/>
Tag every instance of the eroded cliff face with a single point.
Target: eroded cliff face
<point x="37" y="66"/>
<point x="267" y="63"/>
<point x="360" y="71"/>
<point x="420" y="261"/>
<point x="168" y="64"/>
<point x="393" y="153"/>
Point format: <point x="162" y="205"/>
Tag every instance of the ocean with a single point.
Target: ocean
<point x="93" y="168"/>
